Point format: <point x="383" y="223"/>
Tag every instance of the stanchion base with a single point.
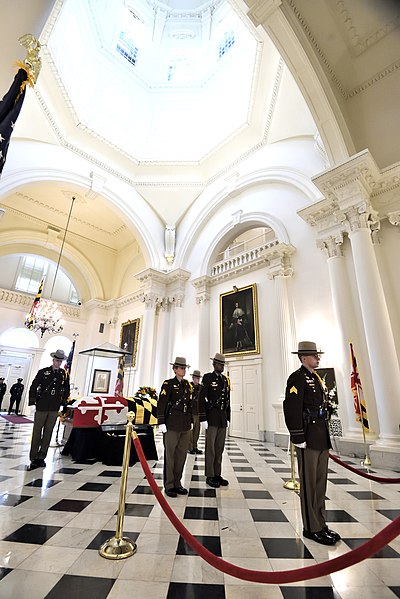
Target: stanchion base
<point x="366" y="461"/>
<point x="292" y="485"/>
<point x="115" y="548"/>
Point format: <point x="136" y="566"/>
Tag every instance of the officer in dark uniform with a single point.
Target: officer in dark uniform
<point x="16" y="391"/>
<point x="174" y="413"/>
<point x="49" y="389"/>
<point x="3" y="389"/>
<point x="215" y="414"/>
<point x="195" y="432"/>
<point x="307" y="415"/>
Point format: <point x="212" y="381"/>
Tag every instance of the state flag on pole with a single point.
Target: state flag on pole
<point x="360" y="406"/>
<point x="119" y="385"/>
<point x="36" y="301"/>
<point x="10" y="107"/>
<point x="68" y="363"/>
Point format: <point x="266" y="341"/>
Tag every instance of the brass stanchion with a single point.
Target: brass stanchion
<point x="120" y="547"/>
<point x="292" y="484"/>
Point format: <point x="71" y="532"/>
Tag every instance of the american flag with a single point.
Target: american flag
<point x="10" y="107"/>
<point x="360" y="406"/>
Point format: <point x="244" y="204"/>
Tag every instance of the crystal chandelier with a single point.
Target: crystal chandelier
<point x="45" y="315"/>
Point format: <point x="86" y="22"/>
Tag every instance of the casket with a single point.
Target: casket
<point x="93" y="412"/>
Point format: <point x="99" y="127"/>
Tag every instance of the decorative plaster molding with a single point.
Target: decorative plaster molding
<point x="374" y="79"/>
<point x="202" y="286"/>
<point x="332" y="246"/>
<point x="261" y="10"/>
<point x="394" y="218"/>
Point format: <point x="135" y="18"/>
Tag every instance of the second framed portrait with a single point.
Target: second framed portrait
<point x="239" y="321"/>
<point x="129" y="336"/>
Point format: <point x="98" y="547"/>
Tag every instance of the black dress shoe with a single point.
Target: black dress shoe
<point x="180" y="490"/>
<point x="222" y="481"/>
<point x="319" y="537"/>
<point x="192" y="451"/>
<point x="212" y="481"/>
<point x="198" y="451"/>
<point x="170" y="493"/>
<point x="41" y="463"/>
<point x="332" y="533"/>
<point x="33" y="465"/>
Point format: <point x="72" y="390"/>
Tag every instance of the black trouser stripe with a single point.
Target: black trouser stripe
<point x="303" y="490"/>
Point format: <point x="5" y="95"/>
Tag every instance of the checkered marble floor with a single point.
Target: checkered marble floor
<point x="53" y="521"/>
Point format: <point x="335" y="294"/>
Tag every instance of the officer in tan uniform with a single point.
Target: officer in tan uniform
<point x="195" y="432"/>
<point x="215" y="414"/>
<point x="174" y="413"/>
<point x="307" y="414"/>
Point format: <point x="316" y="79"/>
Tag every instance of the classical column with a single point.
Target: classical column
<point x="280" y="271"/>
<point x="203" y="293"/>
<point x="162" y="370"/>
<point x="345" y="319"/>
<point x="378" y="332"/>
<point x="146" y="359"/>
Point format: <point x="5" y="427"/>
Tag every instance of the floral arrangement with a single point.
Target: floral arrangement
<point x="146" y="393"/>
<point x="65" y="411"/>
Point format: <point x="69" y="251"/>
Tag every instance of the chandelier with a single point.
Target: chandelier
<point x="45" y="315"/>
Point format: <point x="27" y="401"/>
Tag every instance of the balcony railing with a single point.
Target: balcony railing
<point x="244" y="258"/>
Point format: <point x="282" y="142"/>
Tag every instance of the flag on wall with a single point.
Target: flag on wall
<point x="119" y="385"/>
<point x="360" y="406"/>
<point x="29" y="318"/>
<point x="10" y="108"/>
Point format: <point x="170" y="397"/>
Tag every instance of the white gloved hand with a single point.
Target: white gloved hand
<point x="227" y="423"/>
<point x="162" y="428"/>
<point x="191" y="426"/>
<point x="204" y="425"/>
<point x="300" y="445"/>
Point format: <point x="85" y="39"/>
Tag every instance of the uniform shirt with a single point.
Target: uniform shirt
<point x="214" y="399"/>
<point x="49" y="389"/>
<point x="3" y="389"/>
<point x="303" y="399"/>
<point x="16" y="390"/>
<point x="195" y="398"/>
<point x="174" y="406"/>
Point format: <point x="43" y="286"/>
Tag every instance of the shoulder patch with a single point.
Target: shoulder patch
<point x="293" y="390"/>
<point x="163" y="392"/>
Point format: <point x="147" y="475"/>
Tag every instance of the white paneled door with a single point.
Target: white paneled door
<point x="245" y="397"/>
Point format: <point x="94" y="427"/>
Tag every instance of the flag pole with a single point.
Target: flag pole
<point x="367" y="460"/>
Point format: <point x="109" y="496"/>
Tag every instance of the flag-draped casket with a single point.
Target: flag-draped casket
<point x="91" y="412"/>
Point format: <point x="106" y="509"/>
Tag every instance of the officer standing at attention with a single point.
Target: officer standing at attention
<point x="49" y="389"/>
<point x="215" y="414"/>
<point x="307" y="415"/>
<point x="16" y="391"/>
<point x="195" y="432"/>
<point x="174" y="413"/>
<point x="3" y="389"/>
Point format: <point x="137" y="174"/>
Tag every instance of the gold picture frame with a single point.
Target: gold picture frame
<point x="129" y="335"/>
<point x="101" y="381"/>
<point x="239" y="321"/>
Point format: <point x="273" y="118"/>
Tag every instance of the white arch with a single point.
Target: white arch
<point x="211" y="200"/>
<point x="27" y="167"/>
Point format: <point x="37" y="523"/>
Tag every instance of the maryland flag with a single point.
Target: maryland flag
<point x="144" y="405"/>
<point x="68" y="363"/>
<point x="10" y="108"/>
<point x="119" y="385"/>
<point x="360" y="407"/>
<point x="29" y="318"/>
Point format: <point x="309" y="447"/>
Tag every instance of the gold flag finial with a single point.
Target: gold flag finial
<point x="32" y="62"/>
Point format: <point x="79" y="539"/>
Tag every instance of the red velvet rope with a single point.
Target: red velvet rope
<point x="378" y="479"/>
<point x="362" y="552"/>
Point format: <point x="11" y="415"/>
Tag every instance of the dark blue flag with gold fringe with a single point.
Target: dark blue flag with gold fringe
<point x="10" y="107"/>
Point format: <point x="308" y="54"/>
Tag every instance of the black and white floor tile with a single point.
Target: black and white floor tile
<point x="53" y="521"/>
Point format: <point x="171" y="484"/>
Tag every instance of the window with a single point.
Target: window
<point x="226" y="44"/>
<point x="127" y="48"/>
<point x="31" y="272"/>
<point x="179" y="70"/>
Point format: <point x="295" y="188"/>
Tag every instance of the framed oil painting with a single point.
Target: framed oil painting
<point x="101" y="381"/>
<point x="129" y="336"/>
<point x="239" y="321"/>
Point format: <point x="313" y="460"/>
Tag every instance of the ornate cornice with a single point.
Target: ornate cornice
<point x="202" y="286"/>
<point x="279" y="262"/>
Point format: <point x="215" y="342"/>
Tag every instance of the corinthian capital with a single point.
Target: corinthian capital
<point x="331" y="246"/>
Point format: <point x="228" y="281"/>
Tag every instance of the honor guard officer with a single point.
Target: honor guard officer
<point x="3" y="389"/>
<point x="215" y="414"/>
<point x="306" y="415"/>
<point x="174" y="413"/>
<point x="49" y="389"/>
<point x="195" y="432"/>
<point x="16" y="391"/>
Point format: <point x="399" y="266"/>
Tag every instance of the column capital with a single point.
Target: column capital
<point x="279" y="260"/>
<point x="331" y="245"/>
<point x="202" y="286"/>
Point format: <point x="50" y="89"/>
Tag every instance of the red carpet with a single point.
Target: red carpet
<point x="16" y="419"/>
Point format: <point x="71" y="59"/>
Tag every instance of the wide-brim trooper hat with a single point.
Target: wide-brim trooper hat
<point x="59" y="354"/>
<point x="220" y="358"/>
<point x="180" y="363"/>
<point x="196" y="373"/>
<point x="307" y="348"/>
